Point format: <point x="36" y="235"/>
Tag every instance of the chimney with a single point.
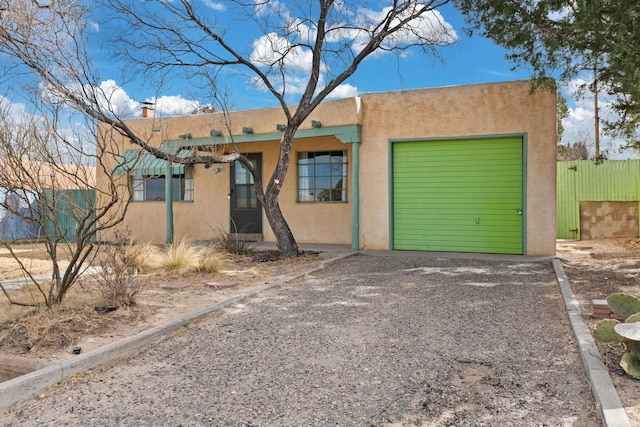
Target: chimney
<point x="147" y="109"/>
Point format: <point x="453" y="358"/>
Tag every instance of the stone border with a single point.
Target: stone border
<point x="607" y="400"/>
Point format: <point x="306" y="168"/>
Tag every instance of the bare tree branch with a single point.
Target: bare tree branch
<point x="327" y="40"/>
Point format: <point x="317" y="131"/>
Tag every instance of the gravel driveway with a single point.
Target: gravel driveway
<point x="375" y="339"/>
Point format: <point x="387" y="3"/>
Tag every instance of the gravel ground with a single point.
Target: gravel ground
<point x="372" y="340"/>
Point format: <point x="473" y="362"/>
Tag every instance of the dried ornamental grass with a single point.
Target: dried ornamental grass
<point x="181" y="256"/>
<point x="146" y="257"/>
<point x="209" y="261"/>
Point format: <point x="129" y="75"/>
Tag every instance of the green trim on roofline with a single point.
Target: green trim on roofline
<point x="348" y="134"/>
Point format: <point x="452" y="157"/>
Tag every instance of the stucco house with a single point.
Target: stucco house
<point x="464" y="169"/>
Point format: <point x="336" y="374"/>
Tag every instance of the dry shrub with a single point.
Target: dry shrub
<point x="232" y="242"/>
<point x="28" y="294"/>
<point x="117" y="279"/>
<point x="31" y="329"/>
<point x="41" y="327"/>
<point x="181" y="256"/>
<point x="209" y="262"/>
<point x="55" y="327"/>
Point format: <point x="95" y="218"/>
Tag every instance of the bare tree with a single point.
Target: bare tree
<point x="48" y="182"/>
<point x="50" y="153"/>
<point x="188" y="39"/>
<point x="576" y="151"/>
<point x="336" y="37"/>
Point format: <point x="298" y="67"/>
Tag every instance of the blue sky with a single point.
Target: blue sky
<point x="467" y="61"/>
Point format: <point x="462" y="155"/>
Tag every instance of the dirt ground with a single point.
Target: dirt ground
<point x="49" y="337"/>
<point x="595" y="269"/>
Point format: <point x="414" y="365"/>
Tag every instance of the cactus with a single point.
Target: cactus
<point x="607" y="330"/>
<point x="624" y="305"/>
<point x="631" y="365"/>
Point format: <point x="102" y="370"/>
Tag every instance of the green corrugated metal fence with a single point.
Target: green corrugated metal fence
<point x="71" y="208"/>
<point x="584" y="181"/>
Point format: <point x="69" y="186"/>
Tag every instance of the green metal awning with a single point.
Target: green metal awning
<point x="140" y="162"/>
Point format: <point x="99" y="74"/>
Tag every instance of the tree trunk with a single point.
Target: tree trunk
<point x="286" y="242"/>
<point x="269" y="198"/>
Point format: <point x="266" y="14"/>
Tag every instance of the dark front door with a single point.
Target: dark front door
<point x="246" y="211"/>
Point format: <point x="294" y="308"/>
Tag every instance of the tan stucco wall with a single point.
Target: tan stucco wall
<point x="460" y="111"/>
<point x="208" y="214"/>
<point x="316" y="222"/>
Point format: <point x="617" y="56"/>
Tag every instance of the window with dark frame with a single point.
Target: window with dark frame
<point x="152" y="188"/>
<point x="322" y="176"/>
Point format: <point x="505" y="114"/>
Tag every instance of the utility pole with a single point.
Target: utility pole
<point x="596" y="114"/>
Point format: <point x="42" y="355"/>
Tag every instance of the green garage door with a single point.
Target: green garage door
<point x="458" y="195"/>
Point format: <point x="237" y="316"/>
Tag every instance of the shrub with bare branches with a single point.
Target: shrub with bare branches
<point x="117" y="277"/>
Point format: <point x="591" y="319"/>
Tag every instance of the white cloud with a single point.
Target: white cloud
<point x="12" y="109"/>
<point x="295" y="83"/>
<point x="344" y="91"/>
<point x="579" y="125"/>
<point x="290" y="64"/>
<point x="563" y="13"/>
<point x="116" y="99"/>
<point x="502" y="74"/>
<point x="273" y="7"/>
<point x="430" y="27"/>
<point x="272" y="49"/>
<point x="113" y="98"/>
<point x="215" y="5"/>
<point x="72" y="142"/>
<point x="174" y="105"/>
